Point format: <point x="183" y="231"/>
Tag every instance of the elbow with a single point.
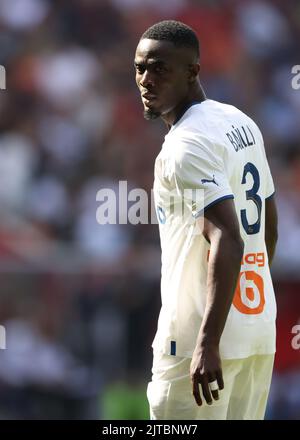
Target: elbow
<point x="233" y="245"/>
<point x="237" y="248"/>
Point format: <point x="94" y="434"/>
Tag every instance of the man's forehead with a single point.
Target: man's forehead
<point x="154" y="49"/>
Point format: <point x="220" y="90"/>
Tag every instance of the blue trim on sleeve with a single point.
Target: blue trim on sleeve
<point x="269" y="197"/>
<point x="229" y="196"/>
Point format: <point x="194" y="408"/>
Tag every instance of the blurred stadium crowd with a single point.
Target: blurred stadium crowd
<point x="80" y="300"/>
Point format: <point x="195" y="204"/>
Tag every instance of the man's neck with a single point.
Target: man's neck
<point x="196" y="95"/>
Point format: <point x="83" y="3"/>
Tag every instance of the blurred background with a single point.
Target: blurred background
<point x="80" y="301"/>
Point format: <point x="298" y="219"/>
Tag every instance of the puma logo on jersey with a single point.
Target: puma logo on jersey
<point x="211" y="180"/>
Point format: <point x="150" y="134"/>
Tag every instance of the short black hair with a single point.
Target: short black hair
<point x="175" y="32"/>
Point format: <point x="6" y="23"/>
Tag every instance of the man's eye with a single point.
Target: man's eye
<point x="159" y="69"/>
<point x="139" y="69"/>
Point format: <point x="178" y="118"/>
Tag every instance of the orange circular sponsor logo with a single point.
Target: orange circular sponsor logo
<point x="251" y="294"/>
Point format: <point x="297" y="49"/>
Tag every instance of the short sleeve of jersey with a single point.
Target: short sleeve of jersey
<point x="200" y="166"/>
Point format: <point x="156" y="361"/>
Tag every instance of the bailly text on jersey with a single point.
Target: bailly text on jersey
<point x="241" y="137"/>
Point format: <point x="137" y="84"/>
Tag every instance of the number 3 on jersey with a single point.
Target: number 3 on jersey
<point x="250" y="300"/>
<point x="252" y="194"/>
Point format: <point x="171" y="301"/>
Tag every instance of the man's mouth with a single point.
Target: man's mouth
<point x="148" y="97"/>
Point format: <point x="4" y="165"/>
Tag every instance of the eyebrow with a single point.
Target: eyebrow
<point x="150" y="62"/>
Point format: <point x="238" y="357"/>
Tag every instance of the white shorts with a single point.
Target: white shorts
<point x="244" y="397"/>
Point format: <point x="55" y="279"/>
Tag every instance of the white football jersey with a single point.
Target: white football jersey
<point x="215" y="148"/>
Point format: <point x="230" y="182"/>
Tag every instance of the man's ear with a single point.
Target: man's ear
<point x="194" y="70"/>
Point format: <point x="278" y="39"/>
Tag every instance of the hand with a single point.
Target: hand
<point x="206" y="367"/>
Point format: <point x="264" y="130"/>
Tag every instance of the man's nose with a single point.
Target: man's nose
<point x="147" y="79"/>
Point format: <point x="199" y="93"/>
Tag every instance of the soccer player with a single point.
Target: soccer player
<point x="215" y="342"/>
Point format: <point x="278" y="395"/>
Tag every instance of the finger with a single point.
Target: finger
<point x="206" y="390"/>
<point x="219" y="377"/>
<point x="196" y="392"/>
<point x="214" y="393"/>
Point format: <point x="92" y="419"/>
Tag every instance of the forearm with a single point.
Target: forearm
<point x="223" y="270"/>
<point x="221" y="230"/>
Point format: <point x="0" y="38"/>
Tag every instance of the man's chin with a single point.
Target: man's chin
<point x="151" y="114"/>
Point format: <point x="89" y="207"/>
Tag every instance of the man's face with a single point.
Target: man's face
<point x="162" y="76"/>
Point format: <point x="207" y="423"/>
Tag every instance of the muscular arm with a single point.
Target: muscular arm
<point x="221" y="229"/>
<point x="271" y="233"/>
